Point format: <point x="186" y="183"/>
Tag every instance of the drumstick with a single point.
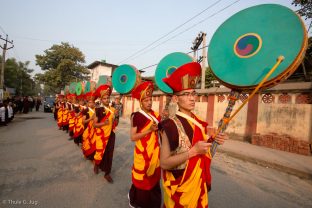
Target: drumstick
<point x="225" y="121"/>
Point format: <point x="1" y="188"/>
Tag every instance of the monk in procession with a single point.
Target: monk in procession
<point x="104" y="133"/>
<point x="185" y="151"/>
<point x="78" y="124"/>
<point x="88" y="141"/>
<point x="60" y="105"/>
<point x="71" y="114"/>
<point x="145" y="189"/>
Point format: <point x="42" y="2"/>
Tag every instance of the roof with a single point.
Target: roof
<point x="96" y="63"/>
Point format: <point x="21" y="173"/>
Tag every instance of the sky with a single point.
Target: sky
<point x="114" y="30"/>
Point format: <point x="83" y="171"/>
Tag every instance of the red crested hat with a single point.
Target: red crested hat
<point x="80" y="97"/>
<point x="103" y="90"/>
<point x="143" y="90"/>
<point x="185" y="77"/>
<point x="71" y="97"/>
<point x="90" y="96"/>
<point x="68" y="96"/>
<point x="60" y="96"/>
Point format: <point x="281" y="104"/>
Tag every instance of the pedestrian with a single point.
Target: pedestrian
<point x="88" y="141"/>
<point x="185" y="151"/>
<point x="55" y="107"/>
<point x="38" y="103"/>
<point x="6" y="117"/>
<point x="10" y="111"/>
<point x="60" y="105"/>
<point x="78" y="120"/>
<point x="20" y="104"/>
<point x="71" y="114"/>
<point x="145" y="190"/>
<point x="119" y="108"/>
<point x="31" y="103"/>
<point x="2" y="114"/>
<point x="26" y="105"/>
<point x="104" y="133"/>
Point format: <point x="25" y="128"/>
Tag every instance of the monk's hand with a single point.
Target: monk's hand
<point x="154" y="127"/>
<point x="116" y="113"/>
<point x="221" y="137"/>
<point x="106" y="122"/>
<point x="201" y="147"/>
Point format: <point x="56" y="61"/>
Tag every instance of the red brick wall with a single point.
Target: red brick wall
<point x="282" y="142"/>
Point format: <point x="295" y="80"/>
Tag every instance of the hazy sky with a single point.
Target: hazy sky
<point x="113" y="30"/>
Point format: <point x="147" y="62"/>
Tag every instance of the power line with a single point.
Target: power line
<point x="186" y="53"/>
<point x="187" y="29"/>
<point x="170" y="31"/>
<point x="198" y="49"/>
<point x="149" y="66"/>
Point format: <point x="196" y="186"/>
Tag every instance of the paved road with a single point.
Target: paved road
<point x="39" y="167"/>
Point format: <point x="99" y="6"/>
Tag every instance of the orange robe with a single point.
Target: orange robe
<point x="190" y="189"/>
<point x="102" y="134"/>
<point x="65" y="117"/>
<point x="78" y="125"/>
<point x="71" y="119"/>
<point x="60" y="115"/>
<point x="88" y="140"/>
<point x="146" y="169"/>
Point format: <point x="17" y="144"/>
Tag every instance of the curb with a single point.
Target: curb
<point x="265" y="163"/>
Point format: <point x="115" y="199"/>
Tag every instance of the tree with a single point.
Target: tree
<point x="209" y="78"/>
<point x="62" y="64"/>
<point x="305" y="8"/>
<point x="304" y="71"/>
<point x="18" y="75"/>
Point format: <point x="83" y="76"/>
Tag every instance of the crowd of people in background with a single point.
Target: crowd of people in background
<point x="18" y="104"/>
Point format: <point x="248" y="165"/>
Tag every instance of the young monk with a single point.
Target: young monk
<point x="104" y="133"/>
<point x="88" y="142"/>
<point x="185" y="151"/>
<point x="145" y="189"/>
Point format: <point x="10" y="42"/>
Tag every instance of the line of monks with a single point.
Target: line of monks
<point x="92" y="124"/>
<point x="173" y="152"/>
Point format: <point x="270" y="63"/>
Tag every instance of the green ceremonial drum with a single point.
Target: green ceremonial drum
<point x="246" y="46"/>
<point x="125" y="78"/>
<point x="90" y="86"/>
<point x="87" y="87"/>
<point x="167" y="66"/>
<point x="72" y="87"/>
<point x="79" y="88"/>
<point x="104" y="79"/>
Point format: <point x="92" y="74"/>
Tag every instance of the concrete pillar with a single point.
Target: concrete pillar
<point x="252" y="115"/>
<point x="210" y="109"/>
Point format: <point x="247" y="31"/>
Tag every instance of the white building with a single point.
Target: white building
<point x="98" y="68"/>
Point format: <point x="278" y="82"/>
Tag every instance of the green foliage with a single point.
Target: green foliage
<point x="17" y="75"/>
<point x="61" y="64"/>
<point x="305" y="8"/>
<point x="209" y="78"/>
<point x="309" y="49"/>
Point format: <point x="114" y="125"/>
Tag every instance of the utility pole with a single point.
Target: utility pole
<point x="201" y="39"/>
<point x="4" y="49"/>
<point x="203" y="63"/>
